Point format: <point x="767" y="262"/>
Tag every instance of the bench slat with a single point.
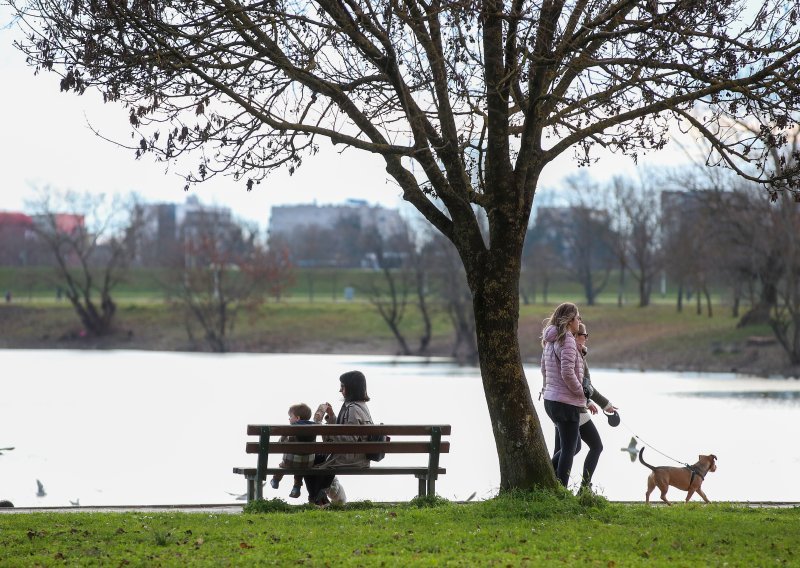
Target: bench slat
<point x="348" y="429"/>
<point x="377" y="470"/>
<point x="348" y="447"/>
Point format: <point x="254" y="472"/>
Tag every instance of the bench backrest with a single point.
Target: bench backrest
<point x="432" y="447"/>
<point x="395" y="446"/>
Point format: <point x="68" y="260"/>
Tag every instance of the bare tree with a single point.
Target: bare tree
<point x="638" y="223"/>
<point x="785" y="316"/>
<point x="401" y="279"/>
<point x="540" y="261"/>
<point x="455" y="296"/>
<point x="389" y="294"/>
<point x="221" y="273"/>
<point x="275" y="267"/>
<point x="465" y="103"/>
<point x="93" y="241"/>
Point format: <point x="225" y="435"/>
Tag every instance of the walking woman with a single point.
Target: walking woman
<point x="562" y="374"/>
<point x="588" y="431"/>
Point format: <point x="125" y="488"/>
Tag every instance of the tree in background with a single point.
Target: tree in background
<point x="450" y="281"/>
<point x="691" y="248"/>
<point x="389" y="292"/>
<point x="401" y="278"/>
<point x="638" y="222"/>
<point x="221" y="273"/>
<point x="785" y="222"/>
<point x="465" y="104"/>
<point x="540" y="261"/>
<point x="279" y="274"/>
<point x="93" y="241"/>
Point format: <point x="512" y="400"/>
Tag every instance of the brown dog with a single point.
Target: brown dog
<point x="684" y="478"/>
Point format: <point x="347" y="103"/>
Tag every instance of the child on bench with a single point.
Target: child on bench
<point x="298" y="414"/>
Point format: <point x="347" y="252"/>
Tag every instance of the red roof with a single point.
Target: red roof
<point x="9" y="218"/>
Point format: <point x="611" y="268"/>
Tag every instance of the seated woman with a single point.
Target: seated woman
<point x="354" y="411"/>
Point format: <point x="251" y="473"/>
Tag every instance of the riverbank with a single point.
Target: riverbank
<point x="654" y="338"/>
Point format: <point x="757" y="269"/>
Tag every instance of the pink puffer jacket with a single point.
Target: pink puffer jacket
<point x="562" y="382"/>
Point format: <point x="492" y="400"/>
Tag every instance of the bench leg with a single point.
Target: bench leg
<point x="431" y="487"/>
<point x="422" y="486"/>
<point x="251" y="489"/>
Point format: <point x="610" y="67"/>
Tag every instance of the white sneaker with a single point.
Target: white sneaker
<point x="336" y="492"/>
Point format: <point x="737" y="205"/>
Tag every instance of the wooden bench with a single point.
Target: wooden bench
<point x="400" y="443"/>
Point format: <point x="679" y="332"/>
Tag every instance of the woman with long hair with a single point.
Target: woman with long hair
<point x="588" y="431"/>
<point x="562" y="374"/>
<point x="353" y="387"/>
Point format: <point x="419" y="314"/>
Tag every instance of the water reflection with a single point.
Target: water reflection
<point x="780" y="396"/>
<point x="127" y="427"/>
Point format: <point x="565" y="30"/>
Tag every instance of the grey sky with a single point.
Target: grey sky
<point x="46" y="141"/>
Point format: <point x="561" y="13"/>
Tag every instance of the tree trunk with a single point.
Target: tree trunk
<point x="644" y="292"/>
<point x="680" y="297"/>
<point x="708" y="300"/>
<point x="521" y="449"/>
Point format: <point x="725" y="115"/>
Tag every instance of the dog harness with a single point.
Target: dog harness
<point x="694" y="472"/>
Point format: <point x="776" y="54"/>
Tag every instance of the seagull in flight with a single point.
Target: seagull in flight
<point x="631" y="449"/>
<point x="76" y="502"/>
<point x="40" y="492"/>
<point x="5" y="450"/>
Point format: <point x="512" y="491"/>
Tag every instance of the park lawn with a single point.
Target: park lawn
<point x="516" y="530"/>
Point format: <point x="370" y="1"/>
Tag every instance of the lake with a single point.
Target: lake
<point x="125" y="427"/>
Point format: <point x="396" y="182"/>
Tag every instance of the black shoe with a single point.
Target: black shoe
<point x="295" y="492"/>
<point x="322" y="499"/>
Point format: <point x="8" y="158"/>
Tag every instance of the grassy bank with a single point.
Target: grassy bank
<point x="522" y="530"/>
<point x="657" y="337"/>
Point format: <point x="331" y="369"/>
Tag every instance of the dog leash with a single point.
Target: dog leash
<point x="651" y="446"/>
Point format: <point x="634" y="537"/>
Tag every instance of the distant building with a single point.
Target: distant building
<point x="286" y="218"/>
<point x="64" y="223"/>
<point x="558" y="226"/>
<point x="680" y="209"/>
<point x="158" y="242"/>
<point x="16" y="236"/>
<point x="172" y="230"/>
<point x="335" y="235"/>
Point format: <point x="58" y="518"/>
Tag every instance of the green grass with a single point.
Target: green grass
<point x="514" y="530"/>
<point x="310" y="285"/>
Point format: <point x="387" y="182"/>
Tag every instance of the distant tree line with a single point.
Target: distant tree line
<point x="698" y="228"/>
<point x="212" y="268"/>
<point x="701" y="229"/>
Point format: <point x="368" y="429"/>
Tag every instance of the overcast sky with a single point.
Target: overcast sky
<point x="46" y="142"/>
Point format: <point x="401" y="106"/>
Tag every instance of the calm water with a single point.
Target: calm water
<point x="142" y="428"/>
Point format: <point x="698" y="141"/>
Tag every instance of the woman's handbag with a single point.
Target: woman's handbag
<point x="377" y="438"/>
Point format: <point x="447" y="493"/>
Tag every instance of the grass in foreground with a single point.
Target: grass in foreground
<point x="512" y="530"/>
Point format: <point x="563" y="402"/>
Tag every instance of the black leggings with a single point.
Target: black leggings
<point x="590" y="435"/>
<point x="315" y="484"/>
<point x="565" y="417"/>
